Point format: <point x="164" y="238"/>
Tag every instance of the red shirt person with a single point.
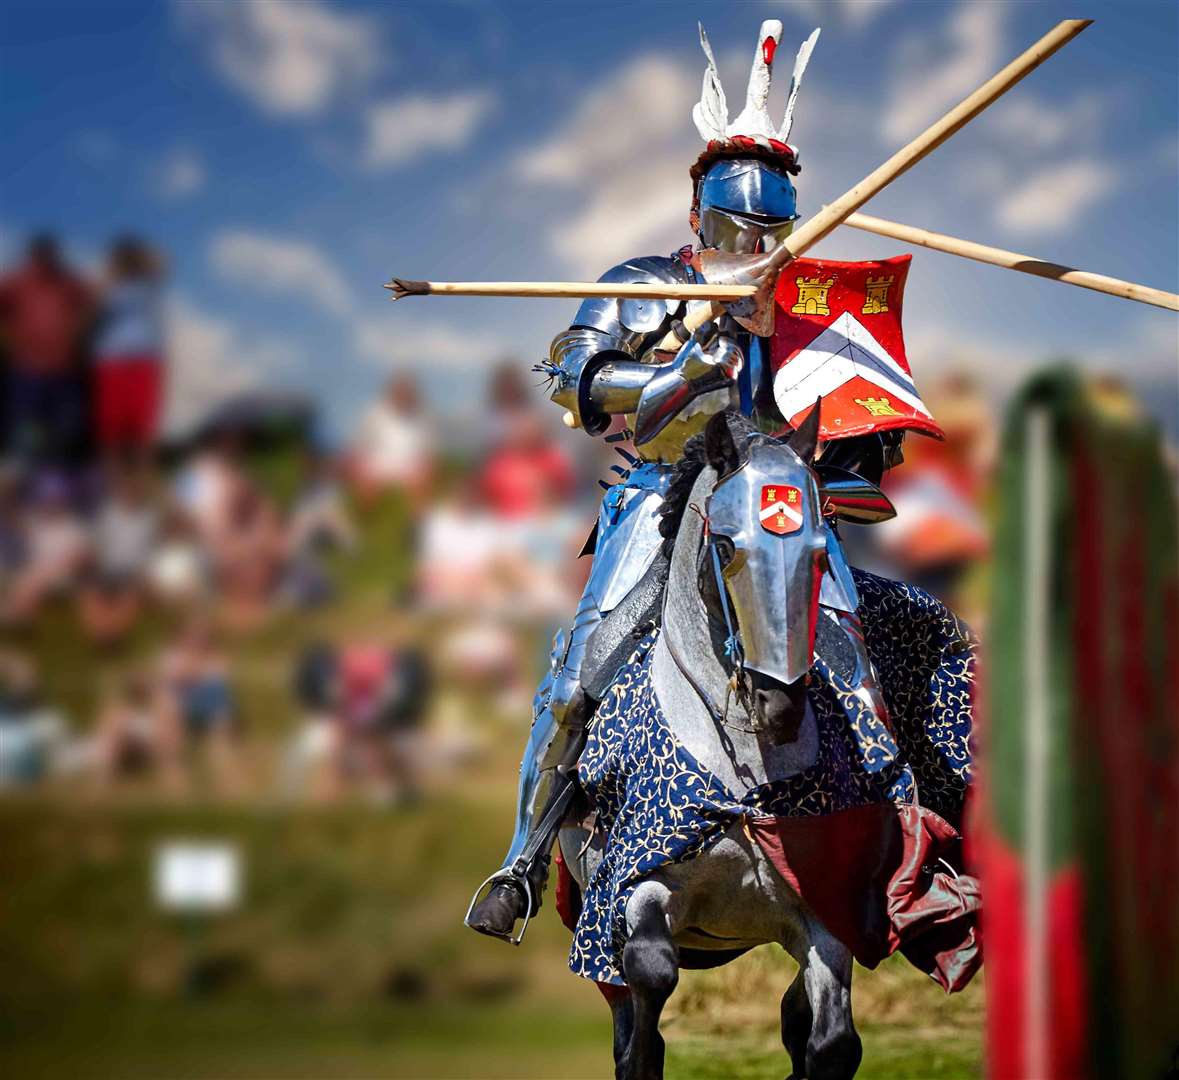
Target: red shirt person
<point x="528" y="473"/>
<point x="45" y="311"/>
<point x="129" y="349"/>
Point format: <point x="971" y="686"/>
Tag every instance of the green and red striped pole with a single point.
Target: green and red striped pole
<point x="1078" y="830"/>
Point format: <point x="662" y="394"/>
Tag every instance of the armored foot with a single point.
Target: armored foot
<point x="498" y="912"/>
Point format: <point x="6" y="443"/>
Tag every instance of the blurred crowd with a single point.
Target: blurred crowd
<point x="160" y="560"/>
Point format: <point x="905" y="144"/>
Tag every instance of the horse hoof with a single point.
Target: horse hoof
<point x="496" y="914"/>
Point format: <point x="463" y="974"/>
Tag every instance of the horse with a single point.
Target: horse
<point x="729" y="666"/>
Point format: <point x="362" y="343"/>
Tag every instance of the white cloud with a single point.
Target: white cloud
<point x="391" y="342"/>
<point x="278" y="265"/>
<point x="857" y="14"/>
<point x="405" y="128"/>
<point x="1030" y="123"/>
<point x="1056" y="197"/>
<point x="637" y="112"/>
<point x="179" y="174"/>
<point x="210" y="360"/>
<point x="626" y="152"/>
<point x="1154" y="347"/>
<point x="289" y="59"/>
<point x="932" y="72"/>
<point x="854" y="14"/>
<point x="644" y="207"/>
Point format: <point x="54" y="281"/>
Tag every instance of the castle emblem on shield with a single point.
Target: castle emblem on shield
<point x="781" y="509"/>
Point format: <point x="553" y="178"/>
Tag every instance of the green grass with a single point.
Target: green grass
<point x="348" y="959"/>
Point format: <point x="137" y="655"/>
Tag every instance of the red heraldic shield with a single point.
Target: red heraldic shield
<point x="838" y="337"/>
<point x="781" y="509"/>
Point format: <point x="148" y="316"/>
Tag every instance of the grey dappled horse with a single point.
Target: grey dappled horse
<point x="730" y="898"/>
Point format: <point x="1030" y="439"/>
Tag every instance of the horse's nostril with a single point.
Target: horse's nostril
<point x="778" y="712"/>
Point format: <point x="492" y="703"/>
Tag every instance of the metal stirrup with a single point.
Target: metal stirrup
<point x="518" y="873"/>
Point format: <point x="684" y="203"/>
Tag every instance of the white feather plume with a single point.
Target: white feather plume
<point x="754" y="119"/>
<point x="710" y="113"/>
<point x="800" y="63"/>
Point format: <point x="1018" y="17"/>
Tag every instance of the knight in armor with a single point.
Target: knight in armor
<point x="609" y="363"/>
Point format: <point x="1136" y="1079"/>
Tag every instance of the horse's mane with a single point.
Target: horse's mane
<point x="683" y="479"/>
<point x="696" y="455"/>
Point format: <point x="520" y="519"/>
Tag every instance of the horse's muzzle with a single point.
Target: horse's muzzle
<point x="779" y="707"/>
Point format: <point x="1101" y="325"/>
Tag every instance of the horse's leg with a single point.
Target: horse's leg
<point x="622" y="1010"/>
<point x="796" y="1024"/>
<point x="833" y="1049"/>
<point x="650" y="962"/>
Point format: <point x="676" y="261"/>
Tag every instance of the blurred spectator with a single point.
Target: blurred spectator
<point x="123" y="542"/>
<point x="54" y="546"/>
<point x="176" y="571"/>
<point x="381" y="698"/>
<point x="319" y="519"/>
<point x="128" y="735"/>
<point x="247" y="553"/>
<point x="31" y="732"/>
<point x="12" y="546"/>
<point x="206" y="483"/>
<point x="196" y="706"/>
<point x="363" y="707"/>
<point x="238" y="526"/>
<point x="527" y="481"/>
<point x="319" y="523"/>
<point x="509" y="398"/>
<point x="309" y="766"/>
<point x="364" y="693"/>
<point x="129" y="349"/>
<point x="527" y="473"/>
<point x="458" y="546"/>
<point x="394" y="445"/>
<point x="939" y="532"/>
<point x="45" y="313"/>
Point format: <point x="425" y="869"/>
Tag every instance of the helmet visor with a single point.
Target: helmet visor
<point x="748" y="186"/>
<point x="742" y="234"/>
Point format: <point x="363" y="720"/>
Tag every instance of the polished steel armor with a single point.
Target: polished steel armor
<point x="745" y="206"/>
<point x="607" y="364"/>
<point x="627" y="541"/>
<point x="771" y="576"/>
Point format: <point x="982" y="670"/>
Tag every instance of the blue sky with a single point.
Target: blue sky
<point x="291" y="157"/>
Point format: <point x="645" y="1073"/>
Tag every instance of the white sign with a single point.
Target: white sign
<point x="197" y="877"/>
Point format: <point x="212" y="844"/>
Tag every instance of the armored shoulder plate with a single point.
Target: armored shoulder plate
<point x="631" y="320"/>
<point x="608" y="328"/>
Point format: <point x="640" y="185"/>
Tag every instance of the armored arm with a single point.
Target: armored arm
<point x="597" y="366"/>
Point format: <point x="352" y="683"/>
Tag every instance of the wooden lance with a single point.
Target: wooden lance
<point x="834" y="214"/>
<point x="1025" y="264"/>
<point x="762" y="270"/>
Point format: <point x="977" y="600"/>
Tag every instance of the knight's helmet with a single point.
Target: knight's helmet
<point x="743" y="197"/>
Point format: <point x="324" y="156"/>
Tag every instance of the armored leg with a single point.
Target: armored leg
<point x="627" y="541"/>
<point x="560" y="712"/>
